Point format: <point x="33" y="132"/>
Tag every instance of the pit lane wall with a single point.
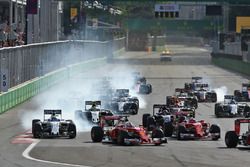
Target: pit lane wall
<point x="24" y="91"/>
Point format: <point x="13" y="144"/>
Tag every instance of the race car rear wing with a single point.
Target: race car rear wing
<point x="122" y="90"/>
<point x="196" y="78"/>
<point x="237" y="123"/>
<point x="180" y="90"/>
<point x="93" y="102"/>
<point x="159" y="106"/>
<point x="229" y="97"/>
<point x="50" y="112"/>
<point x="202" y="85"/>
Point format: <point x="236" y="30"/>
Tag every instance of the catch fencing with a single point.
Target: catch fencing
<point x="24" y="63"/>
<point x="34" y="68"/>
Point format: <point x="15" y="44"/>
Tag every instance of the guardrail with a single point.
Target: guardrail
<point x="35" y="81"/>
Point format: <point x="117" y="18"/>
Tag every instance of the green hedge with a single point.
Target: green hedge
<point x="235" y="65"/>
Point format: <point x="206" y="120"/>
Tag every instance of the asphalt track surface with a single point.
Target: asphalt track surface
<point x="187" y="62"/>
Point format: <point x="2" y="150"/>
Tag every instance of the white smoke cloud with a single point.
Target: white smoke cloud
<point x="221" y="92"/>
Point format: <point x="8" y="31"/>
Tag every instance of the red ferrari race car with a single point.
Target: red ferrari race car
<point x="118" y="129"/>
<point x="184" y="127"/>
<point x="189" y="128"/>
<point x="164" y="118"/>
<point x="233" y="138"/>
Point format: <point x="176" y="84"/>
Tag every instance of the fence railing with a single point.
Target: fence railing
<point x="27" y="62"/>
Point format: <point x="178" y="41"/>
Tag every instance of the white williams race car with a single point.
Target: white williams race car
<point x="231" y="108"/>
<point x="53" y="126"/>
<point x="123" y="103"/>
<point x="92" y="112"/>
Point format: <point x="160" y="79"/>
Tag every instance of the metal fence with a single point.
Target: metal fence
<point x="24" y="63"/>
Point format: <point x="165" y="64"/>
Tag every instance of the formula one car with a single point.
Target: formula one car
<point x="244" y="95"/>
<point x="189" y="99"/>
<point x="231" y="108"/>
<point x="166" y="55"/>
<point x="141" y="84"/>
<point x="189" y="128"/>
<point x="233" y="138"/>
<point x="124" y="103"/>
<point x="92" y="112"/>
<point x="53" y="126"/>
<point x="123" y="132"/>
<point x="201" y="90"/>
<point x="163" y="117"/>
<point x="181" y="102"/>
<point x="191" y="86"/>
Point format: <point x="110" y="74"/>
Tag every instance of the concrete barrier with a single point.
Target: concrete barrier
<point x="232" y="64"/>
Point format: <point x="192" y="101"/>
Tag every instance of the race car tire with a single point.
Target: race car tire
<point x="34" y="121"/>
<point x="214" y="97"/>
<point x="246" y="111"/>
<point x="181" y="129"/>
<point x="131" y="107"/>
<point x="72" y="130"/>
<point x="192" y="114"/>
<point x="136" y="101"/>
<point x="158" y="133"/>
<point x="237" y="93"/>
<point x="37" y="133"/>
<point x="214" y="129"/>
<point x="144" y="89"/>
<point x="150" y="88"/>
<point x="88" y="116"/>
<point x="168" y="101"/>
<point x="97" y="134"/>
<point x="145" y="119"/>
<point x="218" y="110"/>
<point x="198" y="96"/>
<point x="159" y="120"/>
<point x="143" y="80"/>
<point x="151" y="123"/>
<point x="195" y="103"/>
<point x="168" y="129"/>
<point x="121" y="136"/>
<point x="187" y="86"/>
<point x="231" y="139"/>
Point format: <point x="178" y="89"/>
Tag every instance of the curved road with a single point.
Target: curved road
<point x="187" y="62"/>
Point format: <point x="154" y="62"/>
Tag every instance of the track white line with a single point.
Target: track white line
<point x="26" y="154"/>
